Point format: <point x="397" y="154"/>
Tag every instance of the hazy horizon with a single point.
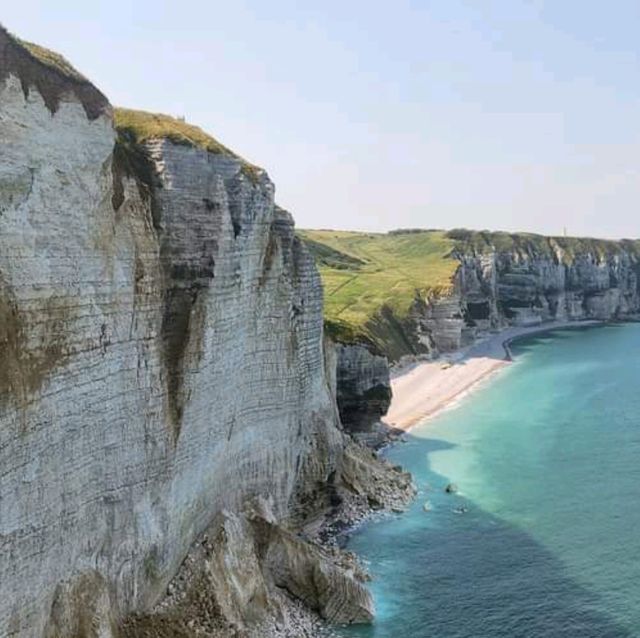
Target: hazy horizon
<point x="514" y="116"/>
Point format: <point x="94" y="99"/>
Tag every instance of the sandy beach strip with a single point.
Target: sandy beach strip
<point x="429" y="387"/>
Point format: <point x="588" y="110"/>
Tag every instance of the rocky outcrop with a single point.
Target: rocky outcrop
<point x="242" y="577"/>
<point x="363" y="388"/>
<point x="250" y="575"/>
<point x="379" y="484"/>
<point x="162" y="364"/>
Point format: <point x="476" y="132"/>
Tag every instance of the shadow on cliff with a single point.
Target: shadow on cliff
<point x="447" y="574"/>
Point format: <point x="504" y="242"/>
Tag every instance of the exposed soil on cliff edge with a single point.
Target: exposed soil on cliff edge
<point x="50" y="74"/>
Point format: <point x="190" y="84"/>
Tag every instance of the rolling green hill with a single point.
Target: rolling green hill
<point x="371" y="280"/>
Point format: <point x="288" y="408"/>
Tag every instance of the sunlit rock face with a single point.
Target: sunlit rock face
<point x="530" y="289"/>
<point x="162" y="359"/>
<point x="508" y="288"/>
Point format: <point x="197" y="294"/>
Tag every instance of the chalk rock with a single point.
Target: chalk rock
<point x="162" y="358"/>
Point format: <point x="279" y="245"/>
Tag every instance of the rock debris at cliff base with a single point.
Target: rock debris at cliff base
<point x="249" y="576"/>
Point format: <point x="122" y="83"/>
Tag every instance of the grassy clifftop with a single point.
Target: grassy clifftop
<point x="52" y="60"/>
<point x="370" y="278"/>
<point x="48" y="58"/>
<point x="49" y="73"/>
<point x="141" y="126"/>
<point x="564" y="248"/>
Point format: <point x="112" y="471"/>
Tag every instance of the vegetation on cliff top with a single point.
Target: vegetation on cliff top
<point x="564" y="248"/>
<point x="50" y="74"/>
<point x="132" y="125"/>
<point x="47" y="57"/>
<point x="368" y="276"/>
<point x="141" y="126"/>
<point x="371" y="280"/>
<point x="51" y="59"/>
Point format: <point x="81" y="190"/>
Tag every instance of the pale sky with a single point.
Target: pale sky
<point x="506" y="114"/>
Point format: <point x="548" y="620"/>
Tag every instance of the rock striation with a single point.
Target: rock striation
<point x="162" y="366"/>
<point x="533" y="281"/>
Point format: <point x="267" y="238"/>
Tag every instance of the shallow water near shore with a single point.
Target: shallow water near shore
<point x="546" y="456"/>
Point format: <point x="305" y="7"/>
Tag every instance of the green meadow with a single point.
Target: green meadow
<point x="368" y="275"/>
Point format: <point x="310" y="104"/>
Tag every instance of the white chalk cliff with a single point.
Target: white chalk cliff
<point x="161" y="365"/>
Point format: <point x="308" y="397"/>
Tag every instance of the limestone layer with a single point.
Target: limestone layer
<point x="525" y="287"/>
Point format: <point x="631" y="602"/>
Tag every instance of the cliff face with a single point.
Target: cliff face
<point x="162" y="363"/>
<point x="526" y="285"/>
<point x="532" y="283"/>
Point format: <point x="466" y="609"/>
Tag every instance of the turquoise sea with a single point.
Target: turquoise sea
<point x="546" y="456"/>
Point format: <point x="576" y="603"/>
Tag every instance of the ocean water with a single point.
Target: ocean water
<point x="546" y="456"/>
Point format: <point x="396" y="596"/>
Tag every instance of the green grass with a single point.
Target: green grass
<point x="141" y="126"/>
<point x="51" y="59"/>
<point x="366" y="276"/>
<point x="564" y="248"/>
